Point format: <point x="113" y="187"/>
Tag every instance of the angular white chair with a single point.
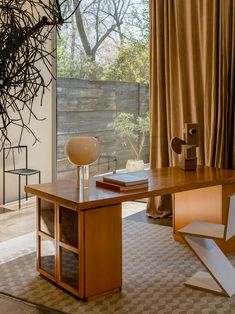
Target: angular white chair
<point x="199" y="235"/>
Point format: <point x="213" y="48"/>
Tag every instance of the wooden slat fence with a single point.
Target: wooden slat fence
<point x="88" y="108"/>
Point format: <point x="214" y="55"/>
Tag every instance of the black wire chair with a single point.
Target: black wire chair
<point x="9" y="152"/>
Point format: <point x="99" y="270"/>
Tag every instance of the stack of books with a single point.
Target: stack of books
<point x="124" y="182"/>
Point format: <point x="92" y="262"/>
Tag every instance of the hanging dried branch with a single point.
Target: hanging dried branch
<point x="25" y="28"/>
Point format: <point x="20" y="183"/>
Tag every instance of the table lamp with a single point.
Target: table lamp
<point x="82" y="151"/>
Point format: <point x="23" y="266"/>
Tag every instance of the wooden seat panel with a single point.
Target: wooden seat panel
<point x="204" y="229"/>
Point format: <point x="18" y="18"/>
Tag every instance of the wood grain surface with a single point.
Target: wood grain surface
<point x="161" y="181"/>
<point x="103" y="250"/>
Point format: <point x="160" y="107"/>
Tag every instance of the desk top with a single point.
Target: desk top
<point x="161" y="181"/>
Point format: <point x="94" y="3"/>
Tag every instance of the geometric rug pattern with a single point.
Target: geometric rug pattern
<point x="154" y="270"/>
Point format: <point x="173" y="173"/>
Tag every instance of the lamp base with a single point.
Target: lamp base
<point x="83" y="176"/>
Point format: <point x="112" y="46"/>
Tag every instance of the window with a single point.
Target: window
<point x="102" y="70"/>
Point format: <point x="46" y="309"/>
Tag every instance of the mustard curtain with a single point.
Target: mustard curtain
<point x="192" y="79"/>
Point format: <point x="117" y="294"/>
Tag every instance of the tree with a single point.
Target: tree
<point x="131" y="64"/>
<point x="90" y="44"/>
<point x="131" y="129"/>
<point x="99" y="28"/>
<point x="137" y="22"/>
<point x="105" y="17"/>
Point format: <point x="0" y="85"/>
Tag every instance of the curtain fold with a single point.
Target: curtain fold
<point x="192" y="79"/>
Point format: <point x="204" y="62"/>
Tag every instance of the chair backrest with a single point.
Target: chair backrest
<point x="17" y="157"/>
<point x="230" y="225"/>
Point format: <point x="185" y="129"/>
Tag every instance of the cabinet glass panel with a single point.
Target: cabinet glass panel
<point x="69" y="268"/>
<point x="46" y="212"/>
<point x="69" y="226"/>
<point x="47" y="255"/>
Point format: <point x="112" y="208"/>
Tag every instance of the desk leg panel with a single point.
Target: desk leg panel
<point x="103" y="250"/>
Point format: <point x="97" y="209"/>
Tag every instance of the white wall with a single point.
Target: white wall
<point x="41" y="154"/>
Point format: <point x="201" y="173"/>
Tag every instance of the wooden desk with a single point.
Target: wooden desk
<point x="79" y="233"/>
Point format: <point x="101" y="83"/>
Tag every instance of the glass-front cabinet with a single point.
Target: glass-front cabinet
<point x="59" y="245"/>
<point x="78" y="248"/>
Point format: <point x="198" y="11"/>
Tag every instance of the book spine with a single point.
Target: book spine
<point x="134" y="183"/>
<point x="109" y="186"/>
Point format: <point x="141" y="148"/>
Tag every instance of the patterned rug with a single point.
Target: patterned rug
<point x="154" y="270"/>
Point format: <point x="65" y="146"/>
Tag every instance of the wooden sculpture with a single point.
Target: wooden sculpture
<point x="187" y="148"/>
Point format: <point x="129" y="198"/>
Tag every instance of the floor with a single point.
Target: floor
<point x="18" y="226"/>
<point x="9" y="305"/>
<point x="16" y="222"/>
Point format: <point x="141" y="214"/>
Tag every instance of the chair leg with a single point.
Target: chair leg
<point x="39" y="177"/>
<point x="4" y="189"/>
<point x="19" y="189"/>
<point x="221" y="274"/>
<point x="26" y="184"/>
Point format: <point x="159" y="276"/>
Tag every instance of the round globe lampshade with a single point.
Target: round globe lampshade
<point x="82" y="150"/>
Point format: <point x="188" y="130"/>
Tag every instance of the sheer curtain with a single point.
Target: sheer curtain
<point x="192" y="79"/>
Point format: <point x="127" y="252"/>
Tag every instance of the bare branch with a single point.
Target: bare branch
<point x="24" y="34"/>
<point x="97" y="20"/>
